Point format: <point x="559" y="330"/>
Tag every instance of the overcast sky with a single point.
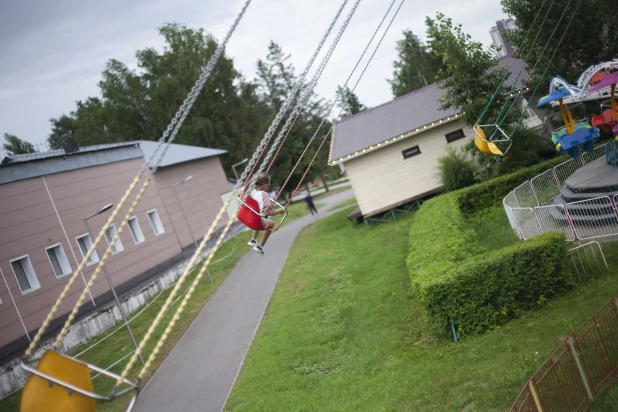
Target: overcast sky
<point x="52" y="53"/>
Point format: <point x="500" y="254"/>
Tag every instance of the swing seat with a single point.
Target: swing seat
<point x="582" y="138"/>
<point x="40" y="394"/>
<point x="248" y="214"/>
<point x="481" y="142"/>
<point x="605" y="121"/>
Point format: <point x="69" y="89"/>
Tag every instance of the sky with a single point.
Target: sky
<point x="52" y="53"/>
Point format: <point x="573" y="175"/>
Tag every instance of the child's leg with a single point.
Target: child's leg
<point x="266" y="235"/>
<point x="256" y="233"/>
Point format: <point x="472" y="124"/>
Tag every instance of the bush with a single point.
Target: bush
<point x="490" y="193"/>
<point x="486" y="291"/>
<point x="455" y="170"/>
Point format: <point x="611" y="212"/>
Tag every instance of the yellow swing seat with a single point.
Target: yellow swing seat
<point x="481" y="142"/>
<point x="40" y="394"/>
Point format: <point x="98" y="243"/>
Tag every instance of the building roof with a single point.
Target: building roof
<point x="399" y="116"/>
<point x="19" y="167"/>
<point x="404" y="114"/>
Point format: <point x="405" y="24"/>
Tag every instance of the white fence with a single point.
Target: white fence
<point x="530" y="214"/>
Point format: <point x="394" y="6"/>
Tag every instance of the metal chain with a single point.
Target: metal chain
<point x="183" y="111"/>
<point x="300" y="104"/>
<point x="271" y="130"/>
<point x="340" y="94"/>
<point x="208" y="235"/>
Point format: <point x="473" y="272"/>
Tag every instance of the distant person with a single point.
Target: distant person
<point x="309" y="200"/>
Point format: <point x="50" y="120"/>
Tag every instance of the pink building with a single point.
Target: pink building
<point x="44" y="198"/>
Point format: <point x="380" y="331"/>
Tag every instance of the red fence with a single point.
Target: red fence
<point x="579" y="370"/>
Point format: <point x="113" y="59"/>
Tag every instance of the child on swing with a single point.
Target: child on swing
<point x="260" y="195"/>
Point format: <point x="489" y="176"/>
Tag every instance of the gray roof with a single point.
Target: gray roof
<point x="178" y="153"/>
<point x="403" y="114"/>
<point x="388" y="120"/>
<point x="20" y="167"/>
<point x="514" y="66"/>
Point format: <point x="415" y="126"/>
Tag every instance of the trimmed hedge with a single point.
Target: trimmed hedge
<point x="477" y="197"/>
<point x="455" y="279"/>
<point x="486" y="291"/>
<point x="438" y="240"/>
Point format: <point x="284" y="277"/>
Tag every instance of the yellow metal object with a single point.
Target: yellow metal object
<point x="480" y="140"/>
<point x="558" y="147"/>
<point x="567" y="118"/>
<point x="39" y="395"/>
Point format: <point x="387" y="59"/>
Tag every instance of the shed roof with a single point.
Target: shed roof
<point x="405" y="114"/>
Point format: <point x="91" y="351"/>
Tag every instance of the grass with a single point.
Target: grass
<point x="345" y="203"/>
<point x="343" y="333"/>
<point x="493" y="230"/>
<point x="115" y="348"/>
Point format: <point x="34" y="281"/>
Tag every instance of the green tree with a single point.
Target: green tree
<point x="591" y="38"/>
<point x="276" y="79"/>
<point x="348" y="101"/>
<point x="470" y="76"/>
<point x="416" y="65"/>
<point x="139" y="104"/>
<point x="16" y="146"/>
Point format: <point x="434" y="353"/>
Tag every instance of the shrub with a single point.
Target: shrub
<point x="455" y="170"/>
<point x="486" y="291"/>
<point x="482" y="195"/>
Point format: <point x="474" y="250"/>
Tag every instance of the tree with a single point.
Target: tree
<point x="455" y="170"/>
<point x="417" y="65"/>
<point x="276" y="79"/>
<point x="470" y="76"/>
<point x="139" y="104"/>
<point x="591" y="38"/>
<point x="16" y="146"/>
<point x="348" y="101"/>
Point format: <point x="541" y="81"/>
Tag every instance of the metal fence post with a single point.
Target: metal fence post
<point x="535" y="396"/>
<point x="579" y="368"/>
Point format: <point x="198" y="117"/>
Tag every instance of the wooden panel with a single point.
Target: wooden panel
<point x="383" y="177"/>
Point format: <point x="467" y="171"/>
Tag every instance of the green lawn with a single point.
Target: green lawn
<point x="343" y="333"/>
<point x="352" y="201"/>
<point x="116" y="347"/>
<point x="492" y="229"/>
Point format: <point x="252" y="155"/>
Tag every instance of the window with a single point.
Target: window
<point x="155" y="221"/>
<point x="109" y="236"/>
<point x="413" y="151"/>
<point x="85" y="243"/>
<point x="456" y="135"/>
<point x="136" y="231"/>
<point x="58" y="260"/>
<point x="24" y="272"/>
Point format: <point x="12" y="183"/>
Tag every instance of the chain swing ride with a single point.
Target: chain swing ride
<point x="59" y="382"/>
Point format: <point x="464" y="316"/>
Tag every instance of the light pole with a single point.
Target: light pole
<point x="187" y="221"/>
<point x="109" y="280"/>
<point x="238" y="164"/>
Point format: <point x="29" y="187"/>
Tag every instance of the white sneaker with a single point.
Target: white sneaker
<point x="252" y="242"/>
<point x="259" y="250"/>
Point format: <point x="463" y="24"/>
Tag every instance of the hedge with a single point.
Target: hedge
<point x="438" y="239"/>
<point x="477" y="197"/>
<point x="486" y="291"/>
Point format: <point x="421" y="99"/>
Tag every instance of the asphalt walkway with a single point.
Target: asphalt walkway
<point x="199" y="373"/>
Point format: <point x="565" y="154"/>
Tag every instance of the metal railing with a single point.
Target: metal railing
<point x="234" y="252"/>
<point x="529" y="202"/>
<point x="579" y="370"/>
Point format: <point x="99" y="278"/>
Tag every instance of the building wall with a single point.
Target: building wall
<point x="383" y="178"/>
<point x="29" y="224"/>
<point x="200" y="196"/>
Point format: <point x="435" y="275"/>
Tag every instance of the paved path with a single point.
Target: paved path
<point x="199" y="372"/>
